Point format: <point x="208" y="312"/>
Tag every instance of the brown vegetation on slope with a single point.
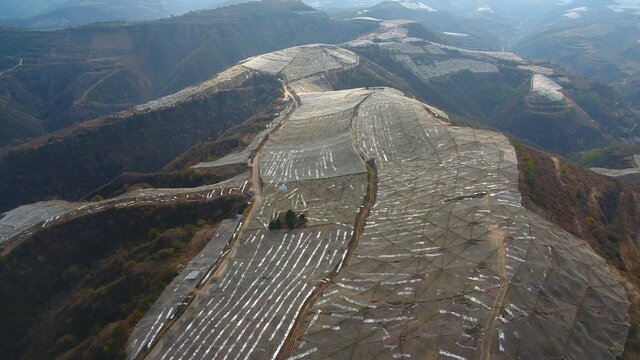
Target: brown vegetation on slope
<point x="600" y="210"/>
<point x="234" y="139"/>
<point x="617" y="156"/>
<point x="76" y="290"/>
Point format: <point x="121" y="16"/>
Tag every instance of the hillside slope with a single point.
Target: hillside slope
<point x="438" y="253"/>
<point x="545" y="106"/>
<point x="596" y="41"/>
<point x="76" y="290"/>
<point x="595" y="208"/>
<point x="60" y="14"/>
<point x="63" y="77"/>
<point x="73" y="162"/>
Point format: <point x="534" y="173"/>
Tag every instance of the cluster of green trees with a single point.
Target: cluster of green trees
<point x="291" y="220"/>
<point x="617" y="156"/>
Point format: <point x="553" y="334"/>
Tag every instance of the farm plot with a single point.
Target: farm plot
<point x="176" y="294"/>
<point x="429" y="60"/>
<point x="537" y="69"/>
<point x="311" y="84"/>
<point x="450" y="265"/>
<point x="255" y="304"/>
<point x="21" y="219"/>
<point x="546" y="87"/>
<point x="303" y="61"/>
<point x="425" y="64"/>
<point x="235" y="185"/>
<point x="240" y="157"/>
<point x="442" y="68"/>
<point x="233" y="74"/>
<point x="259" y="294"/>
<point x="393" y="36"/>
<point x="323" y="201"/>
<point x="620" y="172"/>
<point x="316" y="141"/>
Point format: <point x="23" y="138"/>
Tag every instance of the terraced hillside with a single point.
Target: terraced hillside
<point x="458" y="268"/>
<point x="415" y="244"/>
<point x="545" y="106"/>
<point x="538" y="104"/>
<point x="598" y="40"/>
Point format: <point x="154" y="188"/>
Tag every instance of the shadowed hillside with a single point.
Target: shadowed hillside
<point x="54" y="79"/>
<point x="73" y="162"/>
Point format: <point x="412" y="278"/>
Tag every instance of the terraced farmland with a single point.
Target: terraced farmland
<point x="271" y="275"/>
<point x="414" y="244"/>
<point x="259" y="297"/>
<point x="317" y="142"/>
<point x="177" y="294"/>
<point x="22" y="222"/>
<point x="448" y="265"/>
<point x="429" y="60"/>
<point x="303" y="61"/>
<point x="24" y="217"/>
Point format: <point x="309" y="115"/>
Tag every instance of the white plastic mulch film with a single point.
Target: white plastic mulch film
<point x="451" y="266"/>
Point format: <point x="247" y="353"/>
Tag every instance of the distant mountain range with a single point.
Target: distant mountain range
<point x="602" y="42"/>
<point x="598" y="39"/>
<point x="64" y="13"/>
